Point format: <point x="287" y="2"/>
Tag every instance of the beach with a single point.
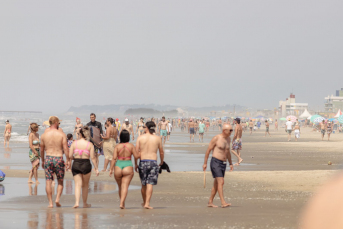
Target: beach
<point x="268" y="190"/>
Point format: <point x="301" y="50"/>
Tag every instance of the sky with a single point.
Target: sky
<point x="57" y="54"/>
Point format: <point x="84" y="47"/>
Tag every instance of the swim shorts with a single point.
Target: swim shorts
<point x="250" y="128"/>
<point x="201" y="133"/>
<point x="237" y="144"/>
<point x="148" y="172"/>
<point x="218" y="167"/>
<point x="267" y="129"/>
<point x="323" y="132"/>
<point x="289" y="131"/>
<point x="164" y="133"/>
<point x="54" y="165"/>
<point x="191" y="131"/>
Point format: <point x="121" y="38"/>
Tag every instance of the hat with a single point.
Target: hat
<point x="126" y="120"/>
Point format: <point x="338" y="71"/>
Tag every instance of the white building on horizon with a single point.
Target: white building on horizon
<point x="290" y="107"/>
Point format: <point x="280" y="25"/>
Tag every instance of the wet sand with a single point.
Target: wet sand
<point x="267" y="191"/>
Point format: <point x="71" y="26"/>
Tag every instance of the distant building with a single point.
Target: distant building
<point x="290" y="107"/>
<point x="333" y="103"/>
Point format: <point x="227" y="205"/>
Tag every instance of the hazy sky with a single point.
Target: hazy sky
<point x="57" y="54"/>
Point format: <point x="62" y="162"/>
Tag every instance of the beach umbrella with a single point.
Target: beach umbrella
<point x="318" y="119"/>
<point x="340" y="119"/>
<point x="313" y="117"/>
<point x="331" y="119"/>
<point x="292" y="118"/>
<point x="282" y="119"/>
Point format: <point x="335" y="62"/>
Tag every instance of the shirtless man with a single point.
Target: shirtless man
<point x="207" y="125"/>
<point x="276" y="125"/>
<point x="220" y="124"/>
<point x="54" y="143"/>
<point x="191" y="130"/>
<point x="164" y="129"/>
<point x="147" y="146"/>
<point x="322" y="129"/>
<point x="220" y="145"/>
<point x="251" y="126"/>
<point x="267" y="128"/>
<point x="7" y="133"/>
<point x="127" y="126"/>
<point x="237" y="141"/>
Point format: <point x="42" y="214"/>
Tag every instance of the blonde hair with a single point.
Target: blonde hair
<point x="53" y="120"/>
<point x="33" y="126"/>
<point x="85" y="133"/>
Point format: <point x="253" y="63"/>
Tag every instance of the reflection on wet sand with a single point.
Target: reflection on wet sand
<point x="2" y="190"/>
<point x="57" y="219"/>
<point x="34" y="193"/>
<point x="8" y="149"/>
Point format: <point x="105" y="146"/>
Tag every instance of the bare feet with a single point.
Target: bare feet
<point x="87" y="205"/>
<point x="30" y="181"/>
<point x="236" y="164"/>
<point x="58" y="204"/>
<point x="226" y="205"/>
<point x="51" y="206"/>
<point x="37" y="182"/>
<point x="211" y="205"/>
<point x="103" y="170"/>
<point x="122" y="206"/>
<point x="240" y="161"/>
<point x="148" y="207"/>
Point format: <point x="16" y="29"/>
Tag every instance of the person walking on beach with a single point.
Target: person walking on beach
<point x="77" y="128"/>
<point x="170" y="128"/>
<point x="127" y="126"/>
<point x="289" y="128"/>
<point x="191" y="130"/>
<point x="267" y="128"/>
<point x="7" y="133"/>
<point x="96" y="124"/>
<point x="251" y="126"/>
<point x="54" y="143"/>
<point x="220" y="124"/>
<point x="276" y="125"/>
<point x="164" y="129"/>
<point x="329" y="129"/>
<point x="237" y="141"/>
<point x="297" y="131"/>
<point x="322" y="129"/>
<point x="147" y="146"/>
<point x="81" y="151"/>
<point x="34" y="153"/>
<point x="122" y="165"/>
<point x="201" y="130"/>
<point x="109" y="142"/>
<point x="140" y="127"/>
<point x="220" y="145"/>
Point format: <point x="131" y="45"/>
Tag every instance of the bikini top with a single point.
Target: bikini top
<point x="80" y="151"/>
<point x="35" y="142"/>
<point x="122" y="150"/>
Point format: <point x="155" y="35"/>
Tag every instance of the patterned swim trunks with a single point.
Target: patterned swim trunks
<point x="237" y="144"/>
<point x="54" y="165"/>
<point x="148" y="172"/>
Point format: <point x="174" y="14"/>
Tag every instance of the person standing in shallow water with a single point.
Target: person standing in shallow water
<point x="78" y="126"/>
<point x="81" y="151"/>
<point x="147" y="146"/>
<point x="7" y="133"/>
<point x="34" y="153"/>
<point x="109" y="142"/>
<point x="220" y="145"/>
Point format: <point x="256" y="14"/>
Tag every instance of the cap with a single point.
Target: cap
<point x="126" y="120"/>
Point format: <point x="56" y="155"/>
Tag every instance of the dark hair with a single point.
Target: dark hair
<point x="163" y="117"/>
<point x="69" y="136"/>
<point x="110" y="120"/>
<point x="84" y="131"/>
<point x="92" y="114"/>
<point x="124" y="136"/>
<point x="151" y="127"/>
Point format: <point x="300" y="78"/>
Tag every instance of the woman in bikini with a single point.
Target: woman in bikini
<point x="78" y="127"/>
<point x="140" y="127"/>
<point x="34" y="153"/>
<point x="81" y="151"/>
<point x="109" y="142"/>
<point x="123" y="169"/>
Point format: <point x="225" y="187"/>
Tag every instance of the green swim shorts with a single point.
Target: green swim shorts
<point x="163" y="133"/>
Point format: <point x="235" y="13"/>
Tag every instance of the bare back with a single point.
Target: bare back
<point x="238" y="132"/>
<point x="53" y="141"/>
<point x="147" y="146"/>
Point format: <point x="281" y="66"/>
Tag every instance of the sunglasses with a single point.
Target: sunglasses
<point x="144" y="126"/>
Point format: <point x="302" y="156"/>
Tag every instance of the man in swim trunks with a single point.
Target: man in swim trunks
<point x="201" y="130"/>
<point x="220" y="145"/>
<point x="251" y="126"/>
<point x="267" y="128"/>
<point x="7" y="133"/>
<point x="164" y="129"/>
<point x="220" y="124"/>
<point x="127" y="126"/>
<point x="147" y="146"/>
<point x="237" y="140"/>
<point x="191" y="130"/>
<point x="322" y="129"/>
<point x="54" y="143"/>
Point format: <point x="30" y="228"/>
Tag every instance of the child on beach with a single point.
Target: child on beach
<point x="70" y="139"/>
